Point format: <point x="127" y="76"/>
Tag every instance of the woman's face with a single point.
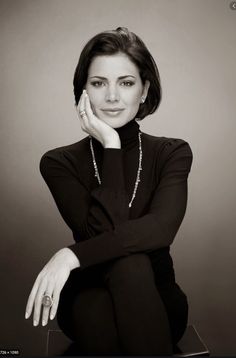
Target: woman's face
<point x="115" y="89"/>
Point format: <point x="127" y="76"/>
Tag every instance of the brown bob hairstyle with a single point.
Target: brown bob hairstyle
<point x="124" y="41"/>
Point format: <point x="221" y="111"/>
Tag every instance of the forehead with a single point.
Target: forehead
<point x="112" y="65"/>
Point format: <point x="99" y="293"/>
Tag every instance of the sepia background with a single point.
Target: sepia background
<point x="193" y="43"/>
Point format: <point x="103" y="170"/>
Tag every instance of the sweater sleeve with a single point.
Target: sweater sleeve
<point x="87" y="213"/>
<point x="122" y="237"/>
<point x="159" y="226"/>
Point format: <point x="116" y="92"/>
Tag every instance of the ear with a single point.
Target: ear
<point x="145" y="89"/>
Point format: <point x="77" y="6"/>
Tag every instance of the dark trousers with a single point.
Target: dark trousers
<point x="118" y="308"/>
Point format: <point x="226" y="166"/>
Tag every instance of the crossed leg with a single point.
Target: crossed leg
<point x="116" y="310"/>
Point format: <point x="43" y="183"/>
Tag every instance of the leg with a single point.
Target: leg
<point x="94" y="320"/>
<point x="141" y="317"/>
<point x="173" y="297"/>
<point x="176" y="305"/>
<point x="85" y="313"/>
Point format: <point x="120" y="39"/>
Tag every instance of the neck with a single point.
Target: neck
<point x="128" y="133"/>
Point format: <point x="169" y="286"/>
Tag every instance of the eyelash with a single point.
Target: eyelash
<point x="128" y="83"/>
<point x="100" y="83"/>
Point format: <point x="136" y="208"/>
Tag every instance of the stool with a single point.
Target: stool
<point x="191" y="344"/>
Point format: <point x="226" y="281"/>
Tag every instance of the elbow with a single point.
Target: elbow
<point x="171" y="228"/>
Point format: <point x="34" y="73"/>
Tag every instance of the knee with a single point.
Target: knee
<point x="133" y="268"/>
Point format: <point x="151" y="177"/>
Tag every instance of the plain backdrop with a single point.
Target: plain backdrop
<point x="193" y="43"/>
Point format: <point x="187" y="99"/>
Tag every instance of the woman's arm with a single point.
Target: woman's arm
<point x="122" y="237"/>
<point x="88" y="214"/>
<point x="50" y="281"/>
<point x="156" y="229"/>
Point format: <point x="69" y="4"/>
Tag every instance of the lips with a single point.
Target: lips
<point x="113" y="112"/>
<point x="113" y="109"/>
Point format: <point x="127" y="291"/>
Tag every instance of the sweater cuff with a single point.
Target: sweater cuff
<point x="97" y="250"/>
<point x="112" y="168"/>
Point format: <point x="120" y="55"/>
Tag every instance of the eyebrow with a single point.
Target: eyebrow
<point x="104" y="78"/>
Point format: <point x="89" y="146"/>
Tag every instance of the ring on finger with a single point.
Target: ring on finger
<point x="82" y="113"/>
<point x="47" y="300"/>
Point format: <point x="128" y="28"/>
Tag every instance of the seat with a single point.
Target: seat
<point x="191" y="344"/>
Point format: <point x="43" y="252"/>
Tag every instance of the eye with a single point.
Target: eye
<point x="97" y="83"/>
<point x="127" y="83"/>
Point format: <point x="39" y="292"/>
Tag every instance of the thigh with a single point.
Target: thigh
<point x="79" y="281"/>
<point x="173" y="297"/>
<point x="141" y="316"/>
<point x="176" y="305"/>
<point x="94" y="322"/>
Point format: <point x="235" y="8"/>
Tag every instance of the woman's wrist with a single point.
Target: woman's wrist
<point x="113" y="143"/>
<point x="70" y="258"/>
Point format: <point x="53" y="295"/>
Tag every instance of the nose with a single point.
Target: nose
<point x="112" y="94"/>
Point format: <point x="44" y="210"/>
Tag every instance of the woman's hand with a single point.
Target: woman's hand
<point x="92" y="125"/>
<point x="50" y="281"/>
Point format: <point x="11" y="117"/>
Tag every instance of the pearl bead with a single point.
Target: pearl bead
<point x="138" y="172"/>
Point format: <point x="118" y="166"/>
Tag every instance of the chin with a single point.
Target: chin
<point x="115" y="122"/>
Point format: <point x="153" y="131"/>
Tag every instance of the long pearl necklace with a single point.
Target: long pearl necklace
<point x="138" y="172"/>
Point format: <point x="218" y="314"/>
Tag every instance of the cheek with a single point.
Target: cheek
<point x="95" y="98"/>
<point x="133" y="97"/>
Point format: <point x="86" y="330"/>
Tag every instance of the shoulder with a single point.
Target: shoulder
<point x="68" y="156"/>
<point x="166" y="144"/>
<point x="72" y="149"/>
<point x="168" y="148"/>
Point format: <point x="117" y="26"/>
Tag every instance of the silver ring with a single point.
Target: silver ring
<point x="47" y="301"/>
<point x="82" y="113"/>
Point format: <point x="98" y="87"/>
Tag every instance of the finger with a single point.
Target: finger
<point x="83" y="102"/>
<point x="79" y="116"/>
<point x="87" y="105"/>
<point x="46" y="310"/>
<point x="83" y="116"/>
<point x="56" y="297"/>
<point x="45" y="314"/>
<point x="38" y="301"/>
<point x="79" y="103"/>
<point x="30" y="302"/>
<point x="78" y="106"/>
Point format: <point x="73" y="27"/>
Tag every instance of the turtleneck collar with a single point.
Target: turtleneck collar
<point x="128" y="133"/>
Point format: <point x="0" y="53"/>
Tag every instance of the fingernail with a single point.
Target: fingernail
<point x="26" y="315"/>
<point x="35" y="322"/>
<point x="51" y="317"/>
<point x="43" y="323"/>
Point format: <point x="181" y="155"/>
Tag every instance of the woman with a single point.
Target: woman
<point x="123" y="193"/>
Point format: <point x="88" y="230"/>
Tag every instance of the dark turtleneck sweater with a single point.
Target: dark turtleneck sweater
<point x="103" y="225"/>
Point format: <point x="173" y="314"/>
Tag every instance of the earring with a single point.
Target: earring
<point x="142" y="99"/>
